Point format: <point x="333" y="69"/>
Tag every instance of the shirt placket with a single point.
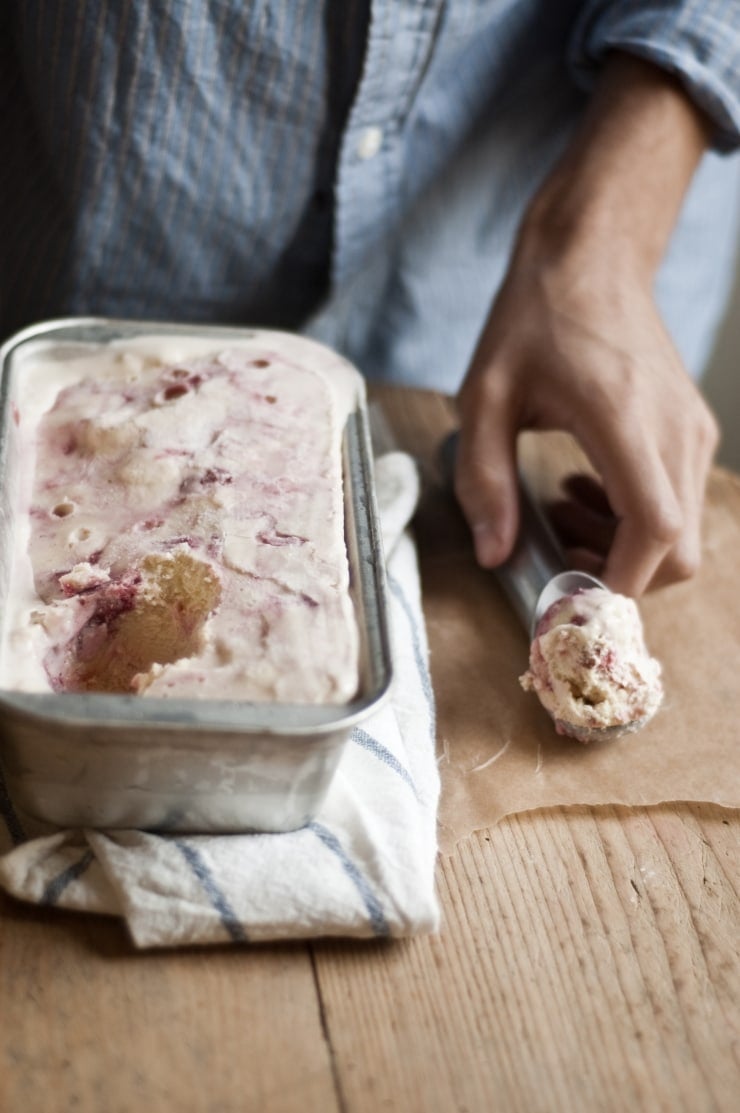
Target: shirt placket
<point x="369" y="182"/>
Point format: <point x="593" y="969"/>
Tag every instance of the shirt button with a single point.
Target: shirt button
<point x="370" y="142"/>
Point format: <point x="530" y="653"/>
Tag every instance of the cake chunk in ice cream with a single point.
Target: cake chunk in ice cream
<point x="185" y="527"/>
<point x="590" y="667"/>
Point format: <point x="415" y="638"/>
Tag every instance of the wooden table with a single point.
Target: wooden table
<point x="588" y="961"/>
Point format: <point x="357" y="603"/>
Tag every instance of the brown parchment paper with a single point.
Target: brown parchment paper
<point x="498" y="751"/>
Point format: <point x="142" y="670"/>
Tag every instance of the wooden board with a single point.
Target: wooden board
<point x="588" y="961"/>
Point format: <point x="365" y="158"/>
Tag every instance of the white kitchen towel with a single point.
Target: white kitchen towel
<point x="364" y="867"/>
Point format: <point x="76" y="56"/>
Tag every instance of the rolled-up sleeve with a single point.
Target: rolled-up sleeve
<point x="697" y="40"/>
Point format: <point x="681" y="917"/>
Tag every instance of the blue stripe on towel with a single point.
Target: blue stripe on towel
<point x="58" y="884"/>
<point x="371" y="902"/>
<point x="362" y="738"/>
<point x="9" y="816"/>
<point x="421" y="665"/>
<point x="229" y="919"/>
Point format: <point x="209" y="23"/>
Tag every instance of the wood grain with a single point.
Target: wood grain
<point x="588" y="961"/>
<point x="89" y="1025"/>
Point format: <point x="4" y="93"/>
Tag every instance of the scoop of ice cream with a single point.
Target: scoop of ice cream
<point x="590" y="667"/>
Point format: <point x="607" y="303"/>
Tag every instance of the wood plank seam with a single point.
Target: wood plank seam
<point x="342" y="1105"/>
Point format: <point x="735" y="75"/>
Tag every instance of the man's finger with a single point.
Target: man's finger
<point x="486" y="480"/>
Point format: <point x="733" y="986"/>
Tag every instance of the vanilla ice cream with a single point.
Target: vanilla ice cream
<point x="590" y="667"/>
<point x="182" y="534"/>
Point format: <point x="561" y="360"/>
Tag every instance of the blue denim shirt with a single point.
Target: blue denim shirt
<point x="356" y="169"/>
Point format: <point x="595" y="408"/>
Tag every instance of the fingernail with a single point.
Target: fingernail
<point x="487" y="543"/>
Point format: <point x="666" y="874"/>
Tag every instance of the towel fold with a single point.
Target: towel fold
<point x="363" y="867"/>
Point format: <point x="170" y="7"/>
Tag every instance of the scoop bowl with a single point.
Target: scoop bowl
<point x="534" y="577"/>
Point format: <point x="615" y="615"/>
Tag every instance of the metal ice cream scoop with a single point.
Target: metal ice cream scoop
<point x="535" y="576"/>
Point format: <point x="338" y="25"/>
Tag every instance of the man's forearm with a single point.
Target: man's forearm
<point x="623" y="178"/>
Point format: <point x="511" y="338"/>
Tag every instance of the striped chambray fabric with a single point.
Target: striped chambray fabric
<point x="354" y="168"/>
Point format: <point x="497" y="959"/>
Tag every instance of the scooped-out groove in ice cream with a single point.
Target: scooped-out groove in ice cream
<point x="186" y="527"/>
<point x="590" y="667"/>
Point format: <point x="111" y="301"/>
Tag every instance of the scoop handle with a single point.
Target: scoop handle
<point x="536" y="557"/>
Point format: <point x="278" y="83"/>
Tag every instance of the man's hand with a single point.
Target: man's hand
<point x="574" y="342"/>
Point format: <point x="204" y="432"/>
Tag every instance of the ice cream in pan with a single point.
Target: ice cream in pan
<point x="186" y="527"/>
<point x="588" y="662"/>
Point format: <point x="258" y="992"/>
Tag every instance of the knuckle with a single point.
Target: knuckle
<point x="710" y="432"/>
<point x="488" y="383"/>
<point x="480" y="393"/>
<point x="684" y="562"/>
<point x="705" y="425"/>
<point x="664" y="524"/>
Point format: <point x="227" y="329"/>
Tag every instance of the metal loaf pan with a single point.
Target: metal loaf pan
<point x="118" y="761"/>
